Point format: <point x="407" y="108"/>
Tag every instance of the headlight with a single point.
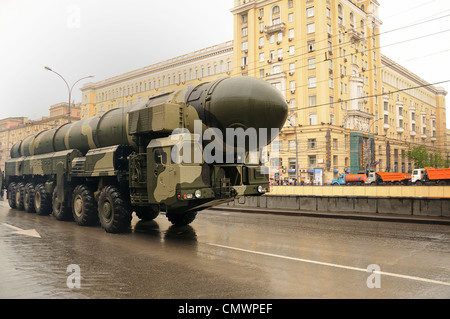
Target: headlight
<point x="260" y="189"/>
<point x="198" y="193"/>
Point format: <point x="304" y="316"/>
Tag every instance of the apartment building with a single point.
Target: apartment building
<point x="351" y="107"/>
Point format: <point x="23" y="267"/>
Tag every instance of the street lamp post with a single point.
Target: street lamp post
<point x="69" y="88"/>
<point x="292" y="123"/>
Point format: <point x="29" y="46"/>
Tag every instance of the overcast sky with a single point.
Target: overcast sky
<point x="108" y="38"/>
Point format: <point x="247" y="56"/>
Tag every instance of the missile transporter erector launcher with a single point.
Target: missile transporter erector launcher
<point x="133" y="159"/>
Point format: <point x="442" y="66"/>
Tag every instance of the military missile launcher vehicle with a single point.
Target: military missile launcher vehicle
<point x="104" y="168"/>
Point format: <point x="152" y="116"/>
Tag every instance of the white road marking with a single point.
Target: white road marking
<point x="19" y="231"/>
<point x="334" y="265"/>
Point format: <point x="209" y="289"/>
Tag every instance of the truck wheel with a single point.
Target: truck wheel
<point x="84" y="207"/>
<point x="60" y="210"/>
<point x="114" y="211"/>
<point x="12" y="195"/>
<point x="28" y="198"/>
<point x="181" y="219"/>
<point x="42" y="200"/>
<point x="20" y="188"/>
<point x="146" y="213"/>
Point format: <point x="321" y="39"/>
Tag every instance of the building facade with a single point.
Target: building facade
<point x="13" y="130"/>
<point x="351" y="107"/>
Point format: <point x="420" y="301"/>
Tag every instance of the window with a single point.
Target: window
<point x="312" y="119"/>
<point x="335" y="144"/>
<point x="311" y="45"/>
<point x="276" y="162"/>
<point x="244" y="46"/>
<point x="292" y="103"/>
<point x="292" y="145"/>
<point x="291" y="17"/>
<point x="244" y="18"/>
<point x="292" y="86"/>
<point x="261" y="57"/>
<point x="276" y="146"/>
<point x="291" y="33"/>
<point x="312" y="143"/>
<point x="276" y="69"/>
<point x="280" y="53"/>
<point x="292" y="50"/>
<point x="272" y="55"/>
<point x="311" y="63"/>
<point x="245" y="32"/>
<point x="312" y="82"/>
<point x="310" y="12"/>
<point x="280" y="37"/>
<point x="292" y="67"/>
<point x="312" y="161"/>
<point x="276" y="10"/>
<point x="160" y="156"/>
<point x="312" y="100"/>
<point x="310" y="28"/>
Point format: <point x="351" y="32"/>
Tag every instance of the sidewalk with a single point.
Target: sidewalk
<point x="343" y="215"/>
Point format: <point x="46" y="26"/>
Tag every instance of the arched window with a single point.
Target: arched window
<point x="276" y="16"/>
<point x="276" y="10"/>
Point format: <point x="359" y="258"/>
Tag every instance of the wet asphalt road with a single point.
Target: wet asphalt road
<point x="224" y="255"/>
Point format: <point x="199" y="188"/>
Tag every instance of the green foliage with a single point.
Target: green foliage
<point x="422" y="158"/>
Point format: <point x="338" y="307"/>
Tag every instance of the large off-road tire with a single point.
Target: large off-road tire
<point x="12" y="195"/>
<point x="146" y="213"/>
<point x="60" y="210"/>
<point x="20" y="190"/>
<point x="181" y="219"/>
<point x="114" y="210"/>
<point x="84" y="207"/>
<point x="42" y="200"/>
<point x="28" y="198"/>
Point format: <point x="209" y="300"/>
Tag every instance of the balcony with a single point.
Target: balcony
<point x="276" y="28"/>
<point x="354" y="35"/>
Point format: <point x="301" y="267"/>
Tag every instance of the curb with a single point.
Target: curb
<point x="373" y="217"/>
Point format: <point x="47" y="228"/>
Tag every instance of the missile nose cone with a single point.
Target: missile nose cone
<point x="245" y="102"/>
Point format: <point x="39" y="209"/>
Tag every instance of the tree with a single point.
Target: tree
<point x="423" y="158"/>
<point x="420" y="156"/>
